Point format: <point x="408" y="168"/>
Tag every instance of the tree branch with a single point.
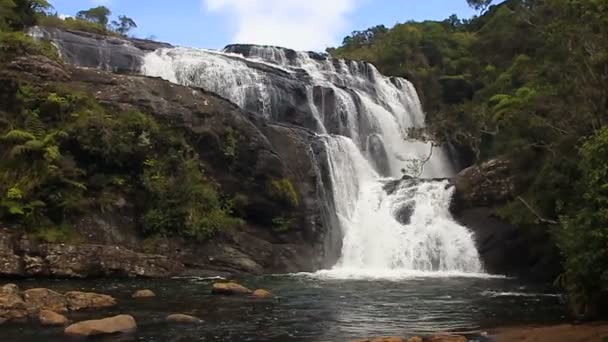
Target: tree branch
<point x="533" y="211"/>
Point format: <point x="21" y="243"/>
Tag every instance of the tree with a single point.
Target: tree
<point x="479" y="5"/>
<point x="123" y="25"/>
<point x="99" y="15"/>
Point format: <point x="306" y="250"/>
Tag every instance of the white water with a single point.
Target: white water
<point x="362" y="118"/>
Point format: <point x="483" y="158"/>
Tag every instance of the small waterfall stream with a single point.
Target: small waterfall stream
<point x="362" y="118"/>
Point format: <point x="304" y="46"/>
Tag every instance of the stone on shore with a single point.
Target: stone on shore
<point x="106" y="326"/>
<point x="183" y="319"/>
<point x="12" y="305"/>
<point x="82" y="300"/>
<point x="50" y="318"/>
<point x="262" y="294"/>
<point x="144" y="294"/>
<point x="230" y="288"/>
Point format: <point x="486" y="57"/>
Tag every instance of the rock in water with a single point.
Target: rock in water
<point x="44" y="299"/>
<point x="262" y="294"/>
<point x="180" y="318"/>
<point x="50" y="318"/>
<point x="144" y="294"/>
<point x="230" y="288"/>
<point x="112" y="325"/>
<point x="81" y="300"/>
<point x="12" y="306"/>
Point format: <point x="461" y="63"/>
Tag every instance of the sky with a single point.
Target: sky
<point x="297" y="24"/>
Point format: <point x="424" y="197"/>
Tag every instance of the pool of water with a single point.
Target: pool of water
<point x="311" y="308"/>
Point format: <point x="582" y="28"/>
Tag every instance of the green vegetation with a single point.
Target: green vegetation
<point x="62" y="154"/>
<point x="283" y="190"/>
<point x="526" y="80"/>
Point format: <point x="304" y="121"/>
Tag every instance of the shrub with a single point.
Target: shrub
<point x="284" y="191"/>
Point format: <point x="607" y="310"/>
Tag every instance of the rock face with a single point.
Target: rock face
<point x="230" y="289"/>
<point x="27" y="258"/>
<point x="504" y="248"/>
<point x="265" y="151"/>
<point x="106" y="326"/>
<point x="93" y="51"/>
<point x="50" y="318"/>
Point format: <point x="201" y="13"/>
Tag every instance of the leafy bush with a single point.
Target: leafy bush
<point x="284" y="191"/>
<point x="14" y="44"/>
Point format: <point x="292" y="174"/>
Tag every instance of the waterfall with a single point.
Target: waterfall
<point x="362" y="119"/>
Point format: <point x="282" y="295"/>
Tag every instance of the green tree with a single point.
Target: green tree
<point x="479" y="5"/>
<point x="99" y="15"/>
<point x="583" y="237"/>
<point x="124" y="25"/>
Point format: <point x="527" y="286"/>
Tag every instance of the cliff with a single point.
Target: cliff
<point x="263" y="152"/>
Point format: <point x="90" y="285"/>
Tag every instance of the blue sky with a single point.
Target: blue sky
<point x="298" y="24"/>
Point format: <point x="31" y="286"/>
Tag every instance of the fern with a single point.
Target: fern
<point x="34" y="125"/>
<point x="18" y="136"/>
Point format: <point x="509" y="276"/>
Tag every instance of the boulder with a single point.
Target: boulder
<point x="82" y="300"/>
<point x="184" y="319"/>
<point x="44" y="299"/>
<point x="484" y="185"/>
<point x="504" y="248"/>
<point x="50" y="318"/>
<point x="112" y="325"/>
<point x="447" y="338"/>
<point x="230" y="288"/>
<point x="262" y="294"/>
<point x="12" y="305"/>
<point x="144" y="294"/>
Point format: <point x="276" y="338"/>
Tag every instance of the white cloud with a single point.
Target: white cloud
<point x="297" y="24"/>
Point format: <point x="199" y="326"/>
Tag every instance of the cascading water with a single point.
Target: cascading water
<point x="389" y="227"/>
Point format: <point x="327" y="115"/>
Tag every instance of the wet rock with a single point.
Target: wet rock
<point x="82" y="300"/>
<point x="44" y="299"/>
<point x="485" y="185"/>
<point x="262" y="294"/>
<point x="182" y="319"/>
<point x="50" y="318"/>
<point x="447" y="338"/>
<point x="12" y="305"/>
<point x="144" y="294"/>
<point x="383" y="339"/>
<point x="106" y="326"/>
<point x="230" y="288"/>
<point x="506" y="249"/>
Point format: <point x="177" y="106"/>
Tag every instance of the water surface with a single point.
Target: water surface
<point x="311" y="308"/>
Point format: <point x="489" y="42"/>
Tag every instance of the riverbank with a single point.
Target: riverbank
<point x="589" y="332"/>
